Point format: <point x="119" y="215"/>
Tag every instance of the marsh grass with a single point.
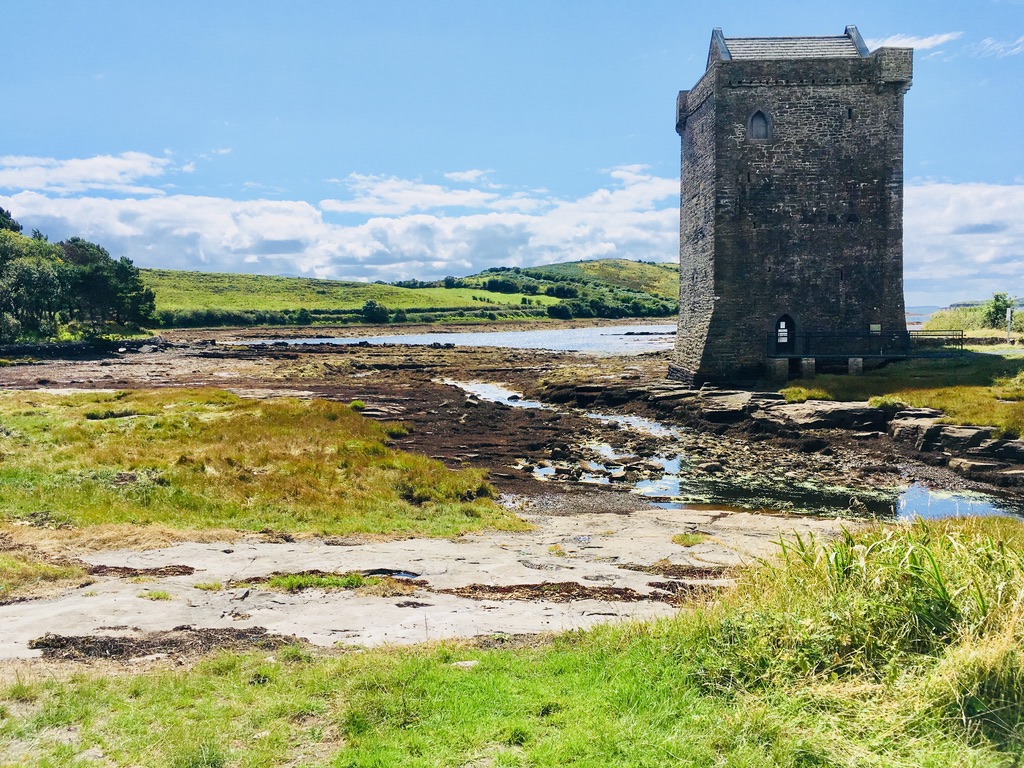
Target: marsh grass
<point x="892" y="646"/>
<point x="978" y="389"/>
<point x="207" y="459"/>
<point x="23" y="574"/>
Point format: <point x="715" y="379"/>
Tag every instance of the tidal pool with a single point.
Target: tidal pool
<point x="676" y="486"/>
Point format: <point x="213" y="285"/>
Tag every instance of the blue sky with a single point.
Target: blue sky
<point x="389" y="140"/>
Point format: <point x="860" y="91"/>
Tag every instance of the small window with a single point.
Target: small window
<point x="783" y="332"/>
<point x="760" y="128"/>
<point x="849" y="113"/>
<point x="875" y="329"/>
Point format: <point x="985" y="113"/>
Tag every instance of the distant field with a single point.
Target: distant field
<point x="657" y="279"/>
<point x="178" y="290"/>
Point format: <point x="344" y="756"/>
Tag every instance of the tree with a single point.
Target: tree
<point x="104" y="289"/>
<point x="133" y="301"/>
<point x="7" y="221"/>
<point x="373" y="312"/>
<point x="994" y="310"/>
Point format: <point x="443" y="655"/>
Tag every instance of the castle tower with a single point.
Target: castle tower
<point x="791" y="206"/>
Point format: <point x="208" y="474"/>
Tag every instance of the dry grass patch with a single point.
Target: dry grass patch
<point x="73" y="542"/>
<point x="27" y="575"/>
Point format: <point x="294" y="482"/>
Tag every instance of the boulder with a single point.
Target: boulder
<point x="825" y="414"/>
<point x="957" y="439"/>
<point x="724" y="407"/>
<point x="1012" y="450"/>
<point x="911" y="426"/>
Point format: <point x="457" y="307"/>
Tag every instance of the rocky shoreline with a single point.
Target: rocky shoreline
<point x="814" y="426"/>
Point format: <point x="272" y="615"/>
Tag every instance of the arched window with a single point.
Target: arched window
<point x="759" y="128"/>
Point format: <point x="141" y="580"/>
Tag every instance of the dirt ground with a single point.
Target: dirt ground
<point x="597" y="552"/>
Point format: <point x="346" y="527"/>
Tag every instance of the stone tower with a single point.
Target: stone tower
<point x="791" y="207"/>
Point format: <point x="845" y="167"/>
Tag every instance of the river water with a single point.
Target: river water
<point x="599" y="340"/>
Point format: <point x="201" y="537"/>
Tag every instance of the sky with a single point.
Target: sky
<point x="391" y="140"/>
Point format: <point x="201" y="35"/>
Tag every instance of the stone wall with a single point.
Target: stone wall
<point x="807" y="223"/>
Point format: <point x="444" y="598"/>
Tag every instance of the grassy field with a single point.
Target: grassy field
<point x="896" y="646"/>
<point x="980" y="389"/>
<point x="208" y="459"/>
<point x="179" y="290"/>
<point x="659" y="279"/>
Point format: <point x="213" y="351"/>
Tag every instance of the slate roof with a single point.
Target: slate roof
<point x="841" y="47"/>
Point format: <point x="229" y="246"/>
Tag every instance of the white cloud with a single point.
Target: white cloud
<point x="999" y="48"/>
<point x="110" y="173"/>
<point x="388" y="195"/>
<point x="406" y="228"/>
<point x="471" y="176"/>
<point x="912" y="41"/>
<point x="962" y="241"/>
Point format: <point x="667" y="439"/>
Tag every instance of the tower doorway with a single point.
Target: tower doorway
<point x="785" y="338"/>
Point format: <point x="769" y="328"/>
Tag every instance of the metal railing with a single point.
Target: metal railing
<point x="884" y="344"/>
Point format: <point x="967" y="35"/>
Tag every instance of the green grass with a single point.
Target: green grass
<point x="896" y="646"/>
<point x="658" y="279"/>
<point x="689" y="539"/>
<point x="296" y="582"/>
<point x="208" y="459"/>
<point x="156" y="594"/>
<point x="21" y="573"/>
<point x="180" y="290"/>
<point x="978" y="389"/>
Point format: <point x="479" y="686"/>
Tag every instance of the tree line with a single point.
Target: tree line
<point x="66" y="289"/>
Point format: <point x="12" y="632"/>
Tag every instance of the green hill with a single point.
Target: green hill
<point x="658" y="279"/>
<point x="604" y="288"/>
<point x="210" y="290"/>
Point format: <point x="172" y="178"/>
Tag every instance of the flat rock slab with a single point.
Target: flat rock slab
<point x="591" y="549"/>
<point x="825" y="414"/>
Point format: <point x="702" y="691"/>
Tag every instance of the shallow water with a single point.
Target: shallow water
<point x="678" y="488"/>
<point x="602" y="340"/>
